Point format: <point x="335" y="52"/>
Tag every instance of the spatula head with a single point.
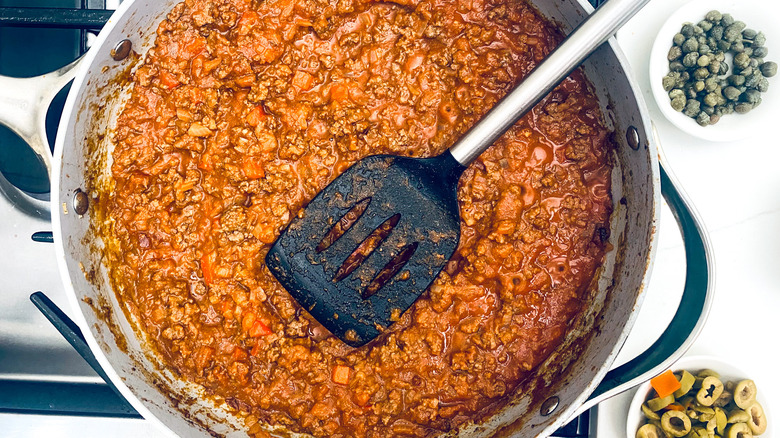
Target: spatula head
<point x="366" y="247"/>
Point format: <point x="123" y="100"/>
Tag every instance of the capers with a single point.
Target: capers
<point x="759" y="40"/>
<point x="763" y="85"/>
<point x="741" y="60"/>
<point x="713" y="16"/>
<point x="689" y="60"/>
<point x="711" y="99"/>
<point x="768" y="69"/>
<point x="690" y="45"/>
<point x="731" y="93"/>
<point x="698" y="68"/>
<point x="674" y="53"/>
<point x="703" y="118"/>
<point x="752" y="96"/>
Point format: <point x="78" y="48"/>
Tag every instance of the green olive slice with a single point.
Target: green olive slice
<point x="745" y="393"/>
<point x="756" y="418"/>
<point x="704" y="418"/>
<point x="649" y="431"/>
<point x="739" y="430"/>
<point x="658" y="403"/>
<point x="698" y="432"/>
<point x="703" y="409"/>
<point x="707" y="373"/>
<point x="711" y="389"/>
<point x="711" y="425"/>
<point x="649" y="412"/>
<point x="720" y="420"/>
<point x="686" y="402"/>
<point x="675" y="423"/>
<point x="737" y="415"/>
<point x="686" y="383"/>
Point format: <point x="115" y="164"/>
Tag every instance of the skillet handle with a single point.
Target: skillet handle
<point x="24" y="103"/>
<point x="692" y="312"/>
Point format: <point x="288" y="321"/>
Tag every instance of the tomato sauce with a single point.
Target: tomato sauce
<point x="243" y="110"/>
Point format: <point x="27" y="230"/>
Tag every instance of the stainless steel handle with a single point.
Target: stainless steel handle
<point x="24" y="103"/>
<point x="588" y="36"/>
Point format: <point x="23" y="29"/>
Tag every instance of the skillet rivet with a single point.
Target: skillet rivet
<point x="80" y="202"/>
<point x="121" y="50"/>
<point x="549" y="406"/>
<point x="632" y="137"/>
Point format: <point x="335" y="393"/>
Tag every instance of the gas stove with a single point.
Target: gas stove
<point x="46" y="386"/>
<point x="39" y="371"/>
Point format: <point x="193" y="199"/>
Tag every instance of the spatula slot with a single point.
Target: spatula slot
<point x="388" y="272"/>
<point x="343" y="225"/>
<point x="366" y="247"/>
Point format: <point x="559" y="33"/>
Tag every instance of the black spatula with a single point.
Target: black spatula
<point x="374" y="239"/>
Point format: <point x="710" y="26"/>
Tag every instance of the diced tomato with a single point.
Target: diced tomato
<point x="302" y="80"/>
<point x="256" y="116"/>
<point x="259" y="328"/>
<point x="665" y="383"/>
<point x="247" y="21"/>
<point x="339" y="93"/>
<point x="239" y="354"/>
<point x="211" y="64"/>
<point x="196" y="95"/>
<point x="203" y="356"/>
<point x="207" y="263"/>
<point x="341" y="374"/>
<point x="253" y="168"/>
<point x="205" y="163"/>
<point x="255" y="350"/>
<point x="248" y="321"/>
<point x="245" y="80"/>
<point x="267" y="141"/>
<point x="227" y="308"/>
<point x="168" y="80"/>
<point x="198" y="130"/>
<point x="193" y="48"/>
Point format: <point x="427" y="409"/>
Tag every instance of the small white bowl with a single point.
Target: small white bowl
<point x="693" y="364"/>
<point x="759" y="15"/>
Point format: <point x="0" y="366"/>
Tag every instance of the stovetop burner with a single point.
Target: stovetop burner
<point x="39" y="371"/>
<point x="35" y="41"/>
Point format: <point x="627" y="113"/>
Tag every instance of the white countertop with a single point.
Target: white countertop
<point x="735" y="186"/>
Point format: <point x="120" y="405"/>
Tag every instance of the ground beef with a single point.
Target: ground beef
<point x="244" y="110"/>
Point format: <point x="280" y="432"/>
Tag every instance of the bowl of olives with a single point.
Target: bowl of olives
<point x="712" y="72"/>
<point x="699" y="397"/>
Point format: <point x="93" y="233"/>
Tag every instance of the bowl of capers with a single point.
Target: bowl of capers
<point x="712" y="72"/>
<point x="700" y="397"/>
